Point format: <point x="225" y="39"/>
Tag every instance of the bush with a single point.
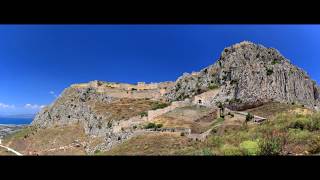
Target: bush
<point x="235" y="101"/>
<point x="297" y="135"/>
<point x="311" y="123"/>
<point x="215" y="141"/>
<point x="213" y="86"/>
<point x="109" y="124"/>
<point x="97" y="151"/>
<point x="249" y="117"/>
<point x="233" y="81"/>
<point x="143" y="114"/>
<point x="224" y="77"/>
<point x="269" y="71"/>
<point x="158" y="105"/>
<point x="153" y="125"/>
<point x="182" y="134"/>
<point x="150" y="126"/>
<point x="250" y="147"/>
<point x="270" y="146"/>
<point x="159" y="125"/>
<point x="230" y="150"/>
<point x="275" y="61"/>
<point x="207" y="152"/>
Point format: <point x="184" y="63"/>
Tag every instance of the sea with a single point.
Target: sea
<point x="17" y="121"/>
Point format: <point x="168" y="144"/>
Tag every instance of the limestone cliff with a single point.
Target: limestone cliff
<point x="248" y="75"/>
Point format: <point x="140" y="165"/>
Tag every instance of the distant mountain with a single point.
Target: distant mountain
<point x="23" y="116"/>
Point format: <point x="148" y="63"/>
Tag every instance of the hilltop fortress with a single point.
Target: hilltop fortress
<point x="124" y="90"/>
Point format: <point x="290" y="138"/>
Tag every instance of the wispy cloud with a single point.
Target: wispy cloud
<point x="6" y="106"/>
<point x="33" y="106"/>
<point x="53" y="94"/>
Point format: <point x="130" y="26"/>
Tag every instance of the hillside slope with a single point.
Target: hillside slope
<point x="249" y="75"/>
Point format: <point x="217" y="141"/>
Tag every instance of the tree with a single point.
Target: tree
<point x="249" y="117"/>
<point x="221" y="108"/>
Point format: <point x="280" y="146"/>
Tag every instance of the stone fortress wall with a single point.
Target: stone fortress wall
<point x="128" y="87"/>
<point x="125" y="90"/>
<point x="176" y="104"/>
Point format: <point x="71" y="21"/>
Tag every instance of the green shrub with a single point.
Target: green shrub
<point x="311" y="123"/>
<point x="230" y="150"/>
<point x="230" y="114"/>
<point x="270" y="146"/>
<point x="235" y="101"/>
<point x="97" y="152"/>
<point x="215" y="141"/>
<point x="143" y="114"/>
<point x="275" y="61"/>
<point x="249" y="117"/>
<point x="269" y="71"/>
<point x="207" y="152"/>
<point x="213" y="86"/>
<point x="233" y="81"/>
<point x="250" y="147"/>
<point x="159" y="125"/>
<point x="224" y="77"/>
<point x="150" y="126"/>
<point x="158" y="105"/>
<point x="297" y="135"/>
<point x="182" y="134"/>
<point x="153" y="125"/>
<point x="109" y="124"/>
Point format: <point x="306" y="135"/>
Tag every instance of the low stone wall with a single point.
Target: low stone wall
<point x="200" y="137"/>
<point x="186" y="131"/>
<point x="158" y="112"/>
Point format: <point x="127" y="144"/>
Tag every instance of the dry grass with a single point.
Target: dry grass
<point x="33" y="141"/>
<point x="198" y="119"/>
<point x="5" y="152"/>
<point x="162" y="143"/>
<point x="124" y="108"/>
<point x="271" y="109"/>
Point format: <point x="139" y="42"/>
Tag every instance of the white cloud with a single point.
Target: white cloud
<point x="53" y="94"/>
<point x="33" y="106"/>
<point x="6" y="106"/>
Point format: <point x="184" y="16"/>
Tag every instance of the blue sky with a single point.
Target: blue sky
<point x="38" y="61"/>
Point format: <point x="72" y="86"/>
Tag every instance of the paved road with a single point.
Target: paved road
<point x="9" y="149"/>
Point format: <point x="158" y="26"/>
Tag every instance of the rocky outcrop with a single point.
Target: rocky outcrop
<point x="75" y="105"/>
<point x="248" y="75"/>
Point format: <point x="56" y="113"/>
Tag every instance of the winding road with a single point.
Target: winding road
<point x="9" y="149"/>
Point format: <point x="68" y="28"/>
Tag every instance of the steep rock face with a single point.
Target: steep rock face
<point x="249" y="75"/>
<point x="75" y="105"/>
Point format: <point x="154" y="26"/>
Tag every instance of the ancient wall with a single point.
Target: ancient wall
<point x="158" y="112"/>
<point x="205" y="99"/>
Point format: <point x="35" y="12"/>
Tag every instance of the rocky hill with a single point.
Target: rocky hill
<point x="245" y="76"/>
<point x="249" y="75"/>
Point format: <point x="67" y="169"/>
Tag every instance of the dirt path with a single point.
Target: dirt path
<point x="9" y="149"/>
